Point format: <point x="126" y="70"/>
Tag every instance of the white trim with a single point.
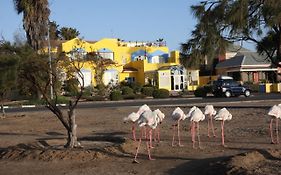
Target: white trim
<point x="258" y="65"/>
<point x="268" y="69"/>
<point x="251" y="70"/>
<point x="28" y="106"/>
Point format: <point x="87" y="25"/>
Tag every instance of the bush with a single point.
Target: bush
<point x="87" y="91"/>
<point x="60" y="100"/>
<point x="115" y="95"/>
<point x="148" y="91"/>
<point x="126" y="90"/>
<point x="200" y="92"/>
<point x="95" y="98"/>
<point x="160" y="93"/>
<point x="136" y="87"/>
<point x="129" y="96"/>
<point x="71" y="87"/>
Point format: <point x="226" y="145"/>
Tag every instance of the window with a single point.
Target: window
<point x="130" y="79"/>
<point x="107" y="55"/>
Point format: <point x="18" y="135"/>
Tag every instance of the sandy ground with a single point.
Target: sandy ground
<point x="31" y="143"/>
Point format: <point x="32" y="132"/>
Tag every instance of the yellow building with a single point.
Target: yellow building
<point x="142" y="62"/>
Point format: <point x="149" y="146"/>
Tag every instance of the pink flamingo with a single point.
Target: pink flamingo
<point x="223" y="115"/>
<point x="161" y="117"/>
<point x="133" y="117"/>
<point x="150" y="120"/>
<point x="210" y="112"/>
<point x="275" y="113"/>
<point x="195" y="117"/>
<point x="177" y="115"/>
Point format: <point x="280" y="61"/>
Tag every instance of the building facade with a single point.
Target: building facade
<point x="142" y="62"/>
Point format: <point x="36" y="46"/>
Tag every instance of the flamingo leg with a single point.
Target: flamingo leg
<point x="198" y="135"/>
<point x="148" y="145"/>
<point x="174" y="131"/>
<point x="270" y="131"/>
<point x="134" y="132"/>
<point x="136" y="155"/>
<point x="158" y="134"/>
<point x="222" y="132"/>
<point x="179" y="139"/>
<point x="155" y="135"/>
<point x="209" y="117"/>
<point x="150" y="138"/>
<point x="277" y="136"/>
<point x="193" y="134"/>
<point x="212" y="125"/>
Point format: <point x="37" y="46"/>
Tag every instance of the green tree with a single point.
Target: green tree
<point x="8" y="71"/>
<point x="68" y="33"/>
<point x="224" y="21"/>
<point x="54" y="30"/>
<point x="35" y="20"/>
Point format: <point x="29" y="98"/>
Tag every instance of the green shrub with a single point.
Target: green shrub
<point x="126" y="90"/>
<point x="200" y="92"/>
<point x="87" y="91"/>
<point x="115" y="95"/>
<point x="60" y="100"/>
<point x="136" y="87"/>
<point x="148" y="91"/>
<point x="129" y="96"/>
<point x="160" y="93"/>
<point x="71" y="87"/>
<point x="95" y="98"/>
<point x="63" y="100"/>
<point x="139" y="96"/>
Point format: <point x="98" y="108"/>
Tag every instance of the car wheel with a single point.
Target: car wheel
<point x="227" y="94"/>
<point x="247" y="93"/>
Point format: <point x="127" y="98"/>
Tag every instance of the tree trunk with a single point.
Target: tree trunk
<point x="72" y="131"/>
<point x="3" y="111"/>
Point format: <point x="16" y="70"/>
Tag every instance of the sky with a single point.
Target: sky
<point x="130" y="20"/>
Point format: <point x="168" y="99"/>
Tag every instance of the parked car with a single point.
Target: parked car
<point x="230" y="87"/>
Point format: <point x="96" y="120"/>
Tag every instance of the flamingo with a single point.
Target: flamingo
<point x="133" y="117"/>
<point x="148" y="119"/>
<point x="210" y="112"/>
<point x="223" y="115"/>
<point x="177" y="115"/>
<point x="161" y="117"/>
<point x="195" y="117"/>
<point x="188" y="115"/>
<point x="275" y="113"/>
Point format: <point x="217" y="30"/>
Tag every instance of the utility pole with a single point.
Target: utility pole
<point x="50" y="62"/>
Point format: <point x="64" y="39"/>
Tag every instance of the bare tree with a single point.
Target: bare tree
<point x="35" y="68"/>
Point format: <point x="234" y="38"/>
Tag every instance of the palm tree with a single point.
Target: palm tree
<point x="35" y="20"/>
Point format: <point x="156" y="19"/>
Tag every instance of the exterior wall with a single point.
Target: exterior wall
<point x="124" y="75"/>
<point x="192" y="79"/>
<point x="122" y="56"/>
<point x="175" y="57"/>
<point x="203" y="80"/>
<point x="164" y="77"/>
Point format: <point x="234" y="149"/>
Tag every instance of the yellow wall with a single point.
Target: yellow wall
<point x="122" y="57"/>
<point x="203" y="80"/>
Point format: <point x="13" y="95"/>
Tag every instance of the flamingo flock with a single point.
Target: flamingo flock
<point x="148" y="121"/>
